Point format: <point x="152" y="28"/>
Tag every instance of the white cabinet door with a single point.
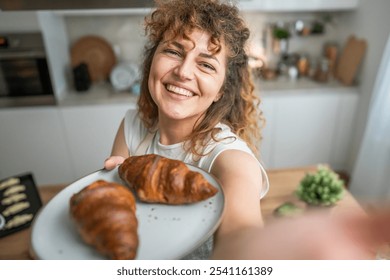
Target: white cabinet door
<point x="308" y="127"/>
<point x="32" y="140"/>
<point x="90" y="132"/>
<point x="342" y="138"/>
<point x="303" y="128"/>
<point x="268" y="106"/>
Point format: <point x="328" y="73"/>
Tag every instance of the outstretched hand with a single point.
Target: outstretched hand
<point x="322" y="236"/>
<point x="312" y="236"/>
<point x="113" y="161"/>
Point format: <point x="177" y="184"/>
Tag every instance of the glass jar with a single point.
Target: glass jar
<point x="331" y="51"/>
<point x="303" y="66"/>
<point x="322" y="72"/>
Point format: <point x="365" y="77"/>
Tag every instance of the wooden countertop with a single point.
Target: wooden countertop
<point x="283" y="183"/>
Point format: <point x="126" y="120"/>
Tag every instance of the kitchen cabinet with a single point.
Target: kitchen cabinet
<point x="306" y="127"/>
<point x="33" y="140"/>
<point x="268" y="106"/>
<point x="296" y="5"/>
<point x="57" y="144"/>
<point x="343" y="130"/>
<point x="90" y="132"/>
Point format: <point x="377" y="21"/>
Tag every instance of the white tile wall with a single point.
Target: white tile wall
<point x="310" y="45"/>
<point x="124" y="32"/>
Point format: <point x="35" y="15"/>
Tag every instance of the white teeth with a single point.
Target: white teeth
<point x="180" y="91"/>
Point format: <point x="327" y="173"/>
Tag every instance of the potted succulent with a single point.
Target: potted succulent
<point x="323" y="188"/>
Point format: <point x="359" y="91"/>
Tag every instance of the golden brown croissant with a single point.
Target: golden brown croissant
<point x="104" y="213"/>
<point x="162" y="180"/>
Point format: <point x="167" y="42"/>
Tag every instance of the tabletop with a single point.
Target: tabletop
<point x="283" y="183"/>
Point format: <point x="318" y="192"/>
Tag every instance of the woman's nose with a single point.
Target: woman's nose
<point x="185" y="70"/>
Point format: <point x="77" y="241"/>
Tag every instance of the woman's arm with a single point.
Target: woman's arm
<point x="316" y="235"/>
<point x="240" y="176"/>
<point x="119" y="150"/>
<point x="313" y="236"/>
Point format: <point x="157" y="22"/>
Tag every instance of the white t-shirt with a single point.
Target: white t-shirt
<point x="135" y="133"/>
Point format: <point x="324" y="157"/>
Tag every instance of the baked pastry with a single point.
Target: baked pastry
<point x="157" y="179"/>
<point x="104" y="213"/>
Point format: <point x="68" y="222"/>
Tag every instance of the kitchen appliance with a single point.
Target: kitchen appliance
<point x="24" y="73"/>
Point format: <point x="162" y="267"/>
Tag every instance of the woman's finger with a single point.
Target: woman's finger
<point x="112" y="162"/>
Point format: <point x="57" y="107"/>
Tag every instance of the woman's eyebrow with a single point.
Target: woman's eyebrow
<point x="205" y="55"/>
<point x="177" y="44"/>
<point x="209" y="56"/>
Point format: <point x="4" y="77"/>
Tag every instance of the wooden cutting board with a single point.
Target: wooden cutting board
<point x="97" y="53"/>
<point x="350" y="60"/>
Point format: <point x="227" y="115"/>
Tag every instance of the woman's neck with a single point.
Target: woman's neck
<point x="174" y="131"/>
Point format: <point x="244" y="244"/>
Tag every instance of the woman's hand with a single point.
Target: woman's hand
<point x="112" y="162"/>
<point x="313" y="236"/>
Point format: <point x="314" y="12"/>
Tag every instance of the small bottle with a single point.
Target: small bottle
<point x="322" y="73"/>
<point x="331" y="51"/>
<point x="303" y="66"/>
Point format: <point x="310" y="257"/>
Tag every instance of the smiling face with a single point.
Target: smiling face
<point x="186" y="77"/>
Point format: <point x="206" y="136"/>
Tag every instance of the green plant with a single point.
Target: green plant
<point x="281" y="33"/>
<point x="323" y="188"/>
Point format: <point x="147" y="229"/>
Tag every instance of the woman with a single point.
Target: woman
<point x="197" y="104"/>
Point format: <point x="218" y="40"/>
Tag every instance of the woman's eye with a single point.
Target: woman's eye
<point x="208" y="66"/>
<point x="172" y="52"/>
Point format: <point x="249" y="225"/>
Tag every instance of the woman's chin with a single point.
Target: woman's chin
<point x="175" y="115"/>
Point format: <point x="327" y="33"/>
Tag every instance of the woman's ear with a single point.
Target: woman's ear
<point x="219" y="95"/>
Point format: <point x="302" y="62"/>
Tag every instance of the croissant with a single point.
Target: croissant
<point x="104" y="213"/>
<point x="157" y="179"/>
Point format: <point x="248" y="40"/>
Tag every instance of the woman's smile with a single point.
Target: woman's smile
<point x="179" y="90"/>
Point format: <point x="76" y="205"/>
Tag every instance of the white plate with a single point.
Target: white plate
<point x="165" y="231"/>
<point x="124" y="75"/>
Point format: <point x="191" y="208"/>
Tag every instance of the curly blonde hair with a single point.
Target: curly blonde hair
<point x="238" y="106"/>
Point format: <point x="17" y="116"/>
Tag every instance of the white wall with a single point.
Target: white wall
<point x="372" y="22"/>
<point x="124" y="32"/>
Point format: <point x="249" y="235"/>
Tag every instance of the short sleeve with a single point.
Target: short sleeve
<point x="229" y="141"/>
<point x="209" y="161"/>
<point x="134" y="130"/>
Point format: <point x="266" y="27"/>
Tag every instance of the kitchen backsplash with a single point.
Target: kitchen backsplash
<point x="311" y="44"/>
<point x="126" y="34"/>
